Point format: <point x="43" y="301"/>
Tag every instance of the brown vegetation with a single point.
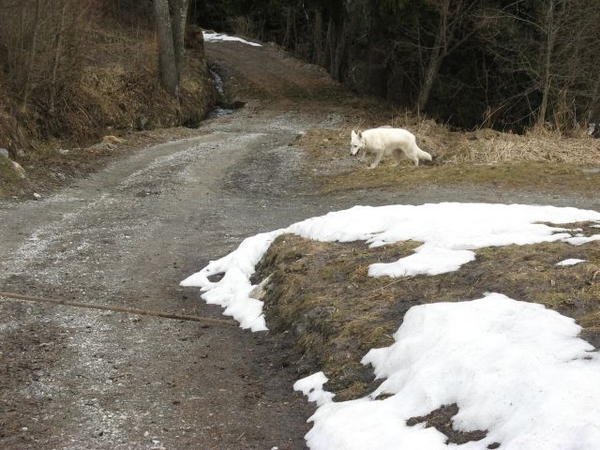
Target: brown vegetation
<point x="83" y="73"/>
<point x="328" y="312"/>
<point x="539" y="160"/>
<point x="503" y="65"/>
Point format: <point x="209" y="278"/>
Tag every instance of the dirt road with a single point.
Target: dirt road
<point x="74" y="378"/>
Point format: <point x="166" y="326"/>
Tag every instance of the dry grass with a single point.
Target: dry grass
<point x="8" y="176"/>
<point x="329" y="313"/>
<point x="114" y="90"/>
<point x="491" y="147"/>
<point x="119" y="91"/>
<point x="541" y="161"/>
<point x="320" y="297"/>
<point x="536" y="176"/>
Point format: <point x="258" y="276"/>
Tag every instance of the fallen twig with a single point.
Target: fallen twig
<point x="122" y="309"/>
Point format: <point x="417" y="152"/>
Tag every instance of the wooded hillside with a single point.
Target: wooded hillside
<point x="510" y="65"/>
<point x="78" y="70"/>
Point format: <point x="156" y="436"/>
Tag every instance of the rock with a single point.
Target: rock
<point x="4" y="152"/>
<point x="260" y="290"/>
<point x="110" y="139"/>
<point x="19" y="169"/>
<point x="37" y="196"/>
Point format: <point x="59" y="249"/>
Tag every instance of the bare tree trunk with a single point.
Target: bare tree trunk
<point x="337" y="46"/>
<point x="318" y="38"/>
<point x="31" y="58"/>
<point x="547" y="72"/>
<point x="289" y="18"/>
<point x="180" y="9"/>
<point x="170" y="22"/>
<point x="451" y="13"/>
<point x="329" y="45"/>
<point x="167" y="66"/>
<point x="593" y="113"/>
<point x="57" y="50"/>
<point x="435" y="60"/>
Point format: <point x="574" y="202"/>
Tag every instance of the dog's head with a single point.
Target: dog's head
<point x="357" y="142"/>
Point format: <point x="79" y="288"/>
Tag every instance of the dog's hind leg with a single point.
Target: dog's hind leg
<point x="398" y="156"/>
<point x="413" y="157"/>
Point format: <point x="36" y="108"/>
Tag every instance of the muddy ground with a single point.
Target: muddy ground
<point x="75" y="378"/>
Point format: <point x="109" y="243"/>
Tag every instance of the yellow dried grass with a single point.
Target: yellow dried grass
<point x="481" y="147"/>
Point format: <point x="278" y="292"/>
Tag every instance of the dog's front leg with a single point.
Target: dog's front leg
<point x="378" y="156"/>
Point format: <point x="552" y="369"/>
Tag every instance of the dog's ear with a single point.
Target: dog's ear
<point x="360" y="134"/>
<point x="353" y="133"/>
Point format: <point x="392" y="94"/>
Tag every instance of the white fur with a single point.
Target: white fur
<point x="386" y="141"/>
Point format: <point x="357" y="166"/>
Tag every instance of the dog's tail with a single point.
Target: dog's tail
<point x="422" y="154"/>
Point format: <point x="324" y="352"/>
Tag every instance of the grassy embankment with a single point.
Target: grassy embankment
<point x="112" y="89"/>
<point x="331" y="313"/>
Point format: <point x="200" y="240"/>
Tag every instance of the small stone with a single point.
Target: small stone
<point x="18" y="169"/>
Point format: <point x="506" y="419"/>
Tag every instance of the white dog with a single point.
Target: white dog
<point x="387" y="141"/>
